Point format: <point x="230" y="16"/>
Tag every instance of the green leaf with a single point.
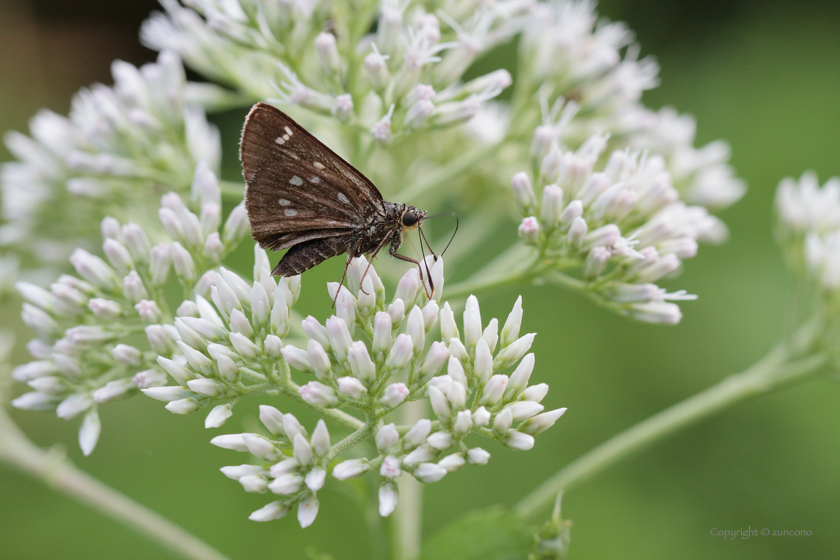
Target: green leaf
<point x="485" y="534"/>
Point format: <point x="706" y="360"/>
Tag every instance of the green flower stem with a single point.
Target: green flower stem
<point x="776" y="370"/>
<point x="350" y="441"/>
<point x="408" y="530"/>
<point x="59" y="474"/>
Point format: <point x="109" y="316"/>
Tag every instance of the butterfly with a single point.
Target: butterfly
<point x="302" y="196"/>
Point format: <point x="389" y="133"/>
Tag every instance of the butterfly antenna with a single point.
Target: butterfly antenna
<point x="431" y="289"/>
<point x="453" y="215"/>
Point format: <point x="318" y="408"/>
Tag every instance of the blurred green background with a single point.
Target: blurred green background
<point x="763" y="75"/>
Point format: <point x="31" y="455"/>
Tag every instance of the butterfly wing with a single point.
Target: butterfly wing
<point x="297" y="188"/>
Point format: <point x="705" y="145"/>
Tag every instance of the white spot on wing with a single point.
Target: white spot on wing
<point x="284" y="202"/>
<point x="280" y="140"/>
<point x="318" y="165"/>
<point x="289" y="212"/>
<point x="296" y="181"/>
<point x="288" y="130"/>
<point x="343" y="198"/>
<point x="315" y="179"/>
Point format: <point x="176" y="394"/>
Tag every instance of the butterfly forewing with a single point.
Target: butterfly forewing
<point x="298" y="189"/>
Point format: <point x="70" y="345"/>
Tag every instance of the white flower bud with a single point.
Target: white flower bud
<point x="397" y="311"/>
<point x="127" y="355"/>
<point x="160" y="340"/>
<point x="416" y="329"/>
<point x="237" y="472"/>
<point x="297" y="358"/>
<point x="520" y="441"/>
<point x="315" y="478"/>
<point x="320" y="439"/>
<point x="213" y="248"/>
<point x="286" y="484"/>
<point x="279" y="319"/>
<point x="457" y="350"/>
<point x="541" y="422"/>
<point x="514" y="352"/>
<point x="240" y="324"/>
<point x="429" y="472"/>
<point x="114" y="390"/>
<point x="273" y="346"/>
<point x="292" y="426"/>
<point x="218" y="416"/>
<point x="463" y="422"/>
<point x="573" y="211"/>
<point x="483" y="361"/>
<point x="272" y="419"/>
<point x="36" y="401"/>
<point x="452" y="462"/>
<point x="420" y="455"/>
<point x="178" y="372"/>
<point x="407" y="287"/>
<point x="148" y="310"/>
<point x="286" y="466"/>
<point x="270" y="512"/>
<point x="494" y="389"/>
<point x="236" y="226"/>
<point x="361" y="365"/>
<point x="394" y="395"/>
<point x="391" y="467"/>
<point x="448" y="328"/>
<point x="89" y="432"/>
<point x="656" y="312"/>
<point x="261" y="447"/>
<point x="319" y="359"/>
<point x="435" y="358"/>
<point x="387" y="437"/>
<point x="118" y="256"/>
<point x="401" y="352"/>
<point x="339" y="336"/>
<point x="109" y="310"/>
<point x="535" y="393"/>
<point x="93" y="269"/>
<point x="605" y="235"/>
<point x="419" y="432"/>
<point x="477" y="456"/>
<point x="136" y="242"/>
<point x="552" y="205"/>
<point x="510" y="332"/>
<point x="343" y="107"/>
<point x="327" y="51"/>
<point x="206" y="387"/>
<point x="302" y="450"/>
<point x="235" y="442"/>
<point x="377" y="70"/>
<point x="523" y="193"/>
<point x="351" y="387"/>
<point x="318" y="394"/>
<point x="387" y="498"/>
<point x="184" y="406"/>
<point x="472" y="323"/>
<point x="381" y="333"/>
<point x="196" y="359"/>
<point x="440" y="440"/>
<point x="253" y="483"/>
<point x="456" y="371"/>
<point x="577" y="232"/>
<point x="205" y="284"/>
<point x="519" y="378"/>
<point x="350" y="469"/>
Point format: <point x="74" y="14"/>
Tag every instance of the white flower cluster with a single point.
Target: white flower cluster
<point x="575" y="63"/>
<point x="404" y="76"/>
<point x="89" y="347"/>
<point x="117" y="143"/>
<point x="809" y="229"/>
<point x="623" y="224"/>
<point x="377" y="372"/>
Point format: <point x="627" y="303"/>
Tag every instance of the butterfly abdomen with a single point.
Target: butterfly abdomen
<point x="303" y="256"/>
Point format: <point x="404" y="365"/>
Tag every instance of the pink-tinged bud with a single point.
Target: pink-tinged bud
<point x="418" y="113"/>
<point x="350" y="469"/>
<point x="661" y="267"/>
<point x="118" y="256"/>
<point x="351" y="387"/>
<point x="448" y="328"/>
<point x="435" y="358"/>
<point x="381" y="333"/>
<point x="494" y="389"/>
<point x="541" y="422"/>
<point x="519" y="440"/>
<point x="596" y="262"/>
<point x="319" y="359"/>
<point x="397" y="311"/>
<point x="418" y="433"/>
<point x="297" y="358"/>
<point x="472" y="323"/>
<point x="440" y="404"/>
<point x="213" y="248"/>
<point x="603" y="236"/>
<point x="93" y="269"/>
<point x="183" y="263"/>
<point x="148" y="310"/>
<point x="394" y="395"/>
<point x="377" y="71"/>
<point x="381" y="131"/>
<point x="343" y="107"/>
<point x="136" y="242"/>
<point x="407" y="287"/>
<point x="114" y="390"/>
<point x="523" y="193"/>
<point x="577" y="232"/>
<point x="387" y="498"/>
<point x="107" y="309"/>
<point x="420" y="455"/>
<point x="550" y="166"/>
<point x="401" y="352"/>
<point x="529" y="230"/>
<point x="387" y="437"/>
<point x="573" y="211"/>
<point x="543" y="140"/>
<point x="318" y="394"/>
<point x="159" y="264"/>
<point x="361" y="365"/>
<point x="391" y="467"/>
<point x="535" y="393"/>
<point x="477" y="456"/>
<point x="160" y="340"/>
<point x="552" y="205"/>
<point x="327" y="51"/>
<point x="127" y="355"/>
<point x="514" y="352"/>
<point x="429" y="472"/>
<point x="339" y="335"/>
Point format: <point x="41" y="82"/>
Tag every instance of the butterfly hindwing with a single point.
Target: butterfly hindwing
<point x="298" y="189"/>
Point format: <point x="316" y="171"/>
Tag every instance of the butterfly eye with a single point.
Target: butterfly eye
<point x="409" y="219"/>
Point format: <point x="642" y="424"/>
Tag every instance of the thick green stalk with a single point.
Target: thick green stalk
<point x="774" y="371"/>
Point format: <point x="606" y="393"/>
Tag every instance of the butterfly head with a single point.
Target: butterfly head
<point x="412" y="218"/>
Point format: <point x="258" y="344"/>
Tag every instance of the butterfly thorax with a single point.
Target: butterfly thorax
<point x="388" y="225"/>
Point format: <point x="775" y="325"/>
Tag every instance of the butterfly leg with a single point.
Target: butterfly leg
<point x="370" y="262"/>
<point x="431" y="289"/>
<point x="341" y="282"/>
